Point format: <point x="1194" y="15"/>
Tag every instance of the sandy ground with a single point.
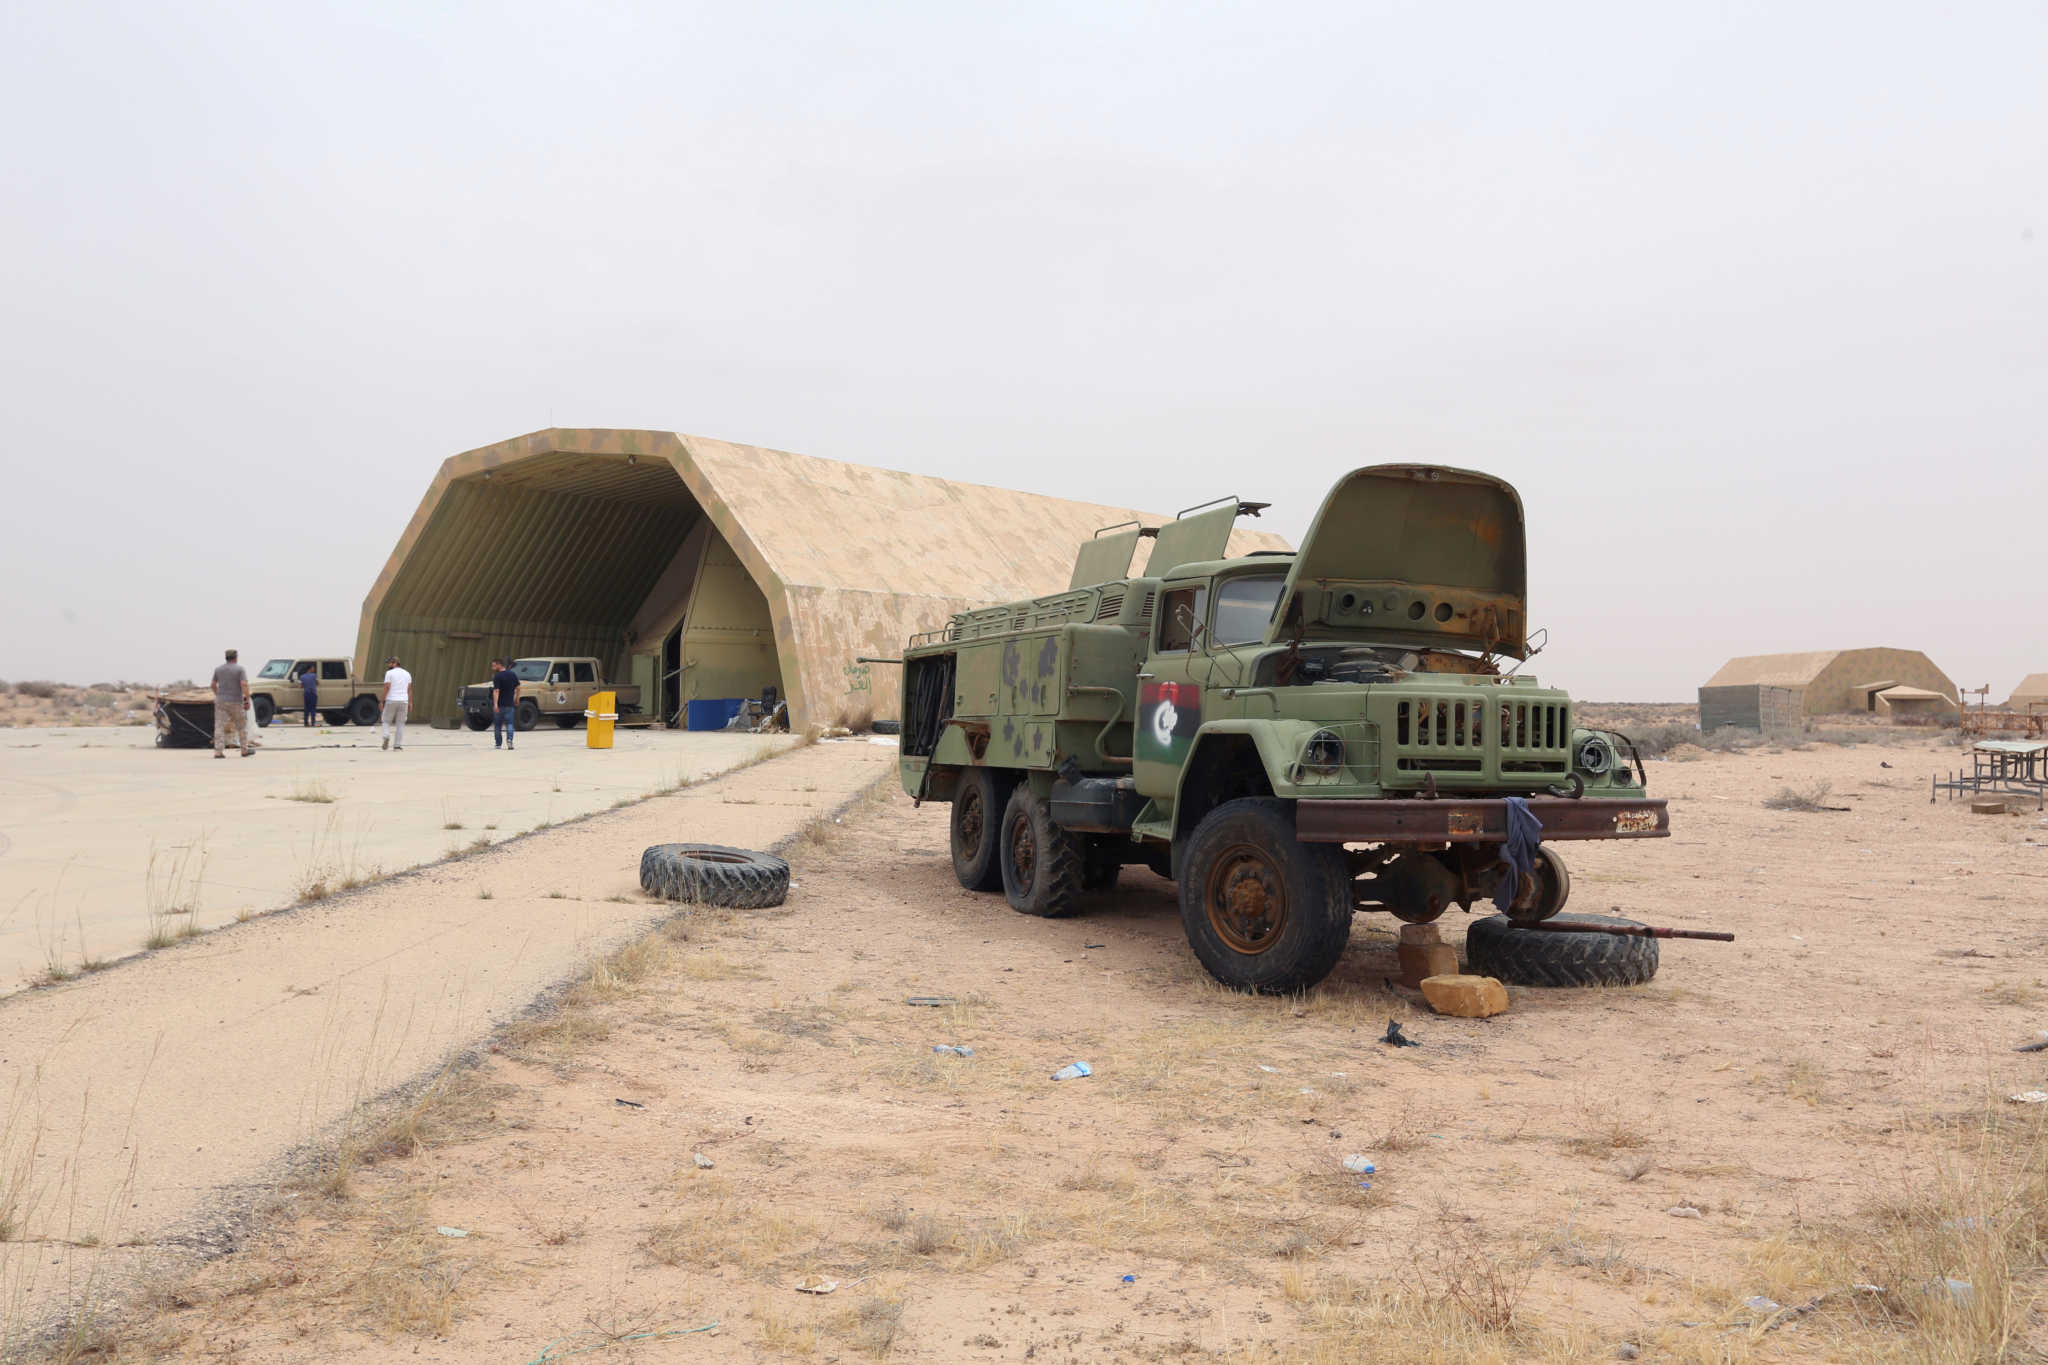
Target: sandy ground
<point x="100" y="831"/>
<point x="147" y="1103"/>
<point x="1187" y="1201"/>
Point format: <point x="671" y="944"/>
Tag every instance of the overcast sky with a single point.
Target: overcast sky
<point x="1750" y="301"/>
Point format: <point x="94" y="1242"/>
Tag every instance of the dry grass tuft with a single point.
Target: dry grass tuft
<point x="1811" y="797"/>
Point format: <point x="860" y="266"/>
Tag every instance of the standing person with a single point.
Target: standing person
<point x="393" y="702"/>
<point x="230" y="706"/>
<point x="309" y="684"/>
<point x="505" y="704"/>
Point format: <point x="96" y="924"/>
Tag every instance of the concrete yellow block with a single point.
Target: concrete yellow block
<point x="1468" y="997"/>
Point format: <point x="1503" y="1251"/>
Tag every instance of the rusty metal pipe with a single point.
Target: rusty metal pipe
<point x="1628" y="930"/>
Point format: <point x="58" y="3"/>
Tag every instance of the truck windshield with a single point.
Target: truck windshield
<point x="276" y="668"/>
<point x="530" y="670"/>
<point x="1244" y="606"/>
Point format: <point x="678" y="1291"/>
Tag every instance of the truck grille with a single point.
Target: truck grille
<point x="1471" y="734"/>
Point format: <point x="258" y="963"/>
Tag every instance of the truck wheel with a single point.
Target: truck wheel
<point x="263" y="709"/>
<point x="1041" y="862"/>
<point x="567" y="722"/>
<point x="335" y="717"/>
<point x="363" y="710"/>
<point x="475" y="721"/>
<point x="1494" y="946"/>
<point x="977" y="829"/>
<point x="526" y="715"/>
<point x="1263" y="911"/>
<point x="712" y="874"/>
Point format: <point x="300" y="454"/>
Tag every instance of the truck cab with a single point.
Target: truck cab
<point x="1291" y="736"/>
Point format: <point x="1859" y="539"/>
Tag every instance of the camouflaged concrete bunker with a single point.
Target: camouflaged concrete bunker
<point x="698" y="569"/>
<point x="1291" y="736"/>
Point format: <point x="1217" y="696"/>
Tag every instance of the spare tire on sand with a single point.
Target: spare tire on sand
<point x="712" y="874"/>
<point x="1536" y="957"/>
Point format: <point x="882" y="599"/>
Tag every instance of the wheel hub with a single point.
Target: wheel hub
<point x="1247" y="900"/>
<point x="970" y="822"/>
<point x="1023" y="852"/>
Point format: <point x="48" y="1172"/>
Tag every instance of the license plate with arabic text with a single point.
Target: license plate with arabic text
<point x="1635" y="822"/>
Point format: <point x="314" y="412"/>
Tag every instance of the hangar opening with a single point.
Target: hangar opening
<point x="607" y="555"/>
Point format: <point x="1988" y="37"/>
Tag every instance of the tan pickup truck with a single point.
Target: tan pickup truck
<point x="555" y="687"/>
<point x="341" y="697"/>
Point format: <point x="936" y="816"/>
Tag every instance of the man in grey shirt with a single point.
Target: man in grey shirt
<point x="230" y="706"/>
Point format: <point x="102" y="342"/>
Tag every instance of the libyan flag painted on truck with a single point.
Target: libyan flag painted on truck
<point x="1169" y="713"/>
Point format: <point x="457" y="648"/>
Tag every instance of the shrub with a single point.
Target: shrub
<point x="45" y="690"/>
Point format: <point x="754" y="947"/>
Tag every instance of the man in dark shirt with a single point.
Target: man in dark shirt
<point x="309" y="686"/>
<point x="505" y="704"/>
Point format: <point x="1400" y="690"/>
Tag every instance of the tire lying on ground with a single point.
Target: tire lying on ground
<point x="712" y="874"/>
<point x="1534" y="957"/>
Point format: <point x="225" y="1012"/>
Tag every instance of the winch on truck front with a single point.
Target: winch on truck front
<point x="1290" y="736"/>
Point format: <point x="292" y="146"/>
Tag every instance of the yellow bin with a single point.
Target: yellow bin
<point x="599" y="719"/>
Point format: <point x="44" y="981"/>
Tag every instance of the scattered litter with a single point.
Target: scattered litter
<point x="1395" y="1038"/>
<point x="629" y="1104"/>
<point x="2039" y="1044"/>
<point x="816" y="1284"/>
<point x="1684" y="1211"/>
<point x="953" y="1049"/>
<point x="1306" y="1091"/>
<point x="1365" y="1184"/>
<point x="930" y="1001"/>
<point x="1868" y="1288"/>
<point x="1959" y="1291"/>
<point x="886" y="741"/>
<point x="1358" y="1164"/>
<point x="1073" y="1072"/>
<point x="1269" y="1070"/>
<point x="2028" y="1097"/>
<point x="1130" y="1279"/>
<point x="1757" y="1303"/>
<point x="1095" y="945"/>
<point x="453" y="1232"/>
<point x="703" y="1162"/>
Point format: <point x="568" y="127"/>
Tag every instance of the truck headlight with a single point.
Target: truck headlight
<point x="1323" y="755"/>
<point x="1595" y="756"/>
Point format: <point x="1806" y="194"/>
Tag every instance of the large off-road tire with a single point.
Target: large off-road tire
<point x="977" y="828"/>
<point x="712" y="874"/>
<point x="1041" y="862"/>
<point x="475" y="721"/>
<point x="335" y="718"/>
<point x="568" y="722"/>
<point x="364" y="710"/>
<point x="526" y="715"/>
<point x="1263" y="911"/>
<point x="263" y="709"/>
<point x="1535" y="957"/>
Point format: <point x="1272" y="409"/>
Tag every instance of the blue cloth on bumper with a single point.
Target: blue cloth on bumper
<point x="1525" y="832"/>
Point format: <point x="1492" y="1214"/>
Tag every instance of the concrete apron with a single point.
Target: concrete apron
<point x="150" y="1104"/>
<point x="98" y="827"/>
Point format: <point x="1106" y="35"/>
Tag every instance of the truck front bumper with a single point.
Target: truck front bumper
<point x="1481" y="821"/>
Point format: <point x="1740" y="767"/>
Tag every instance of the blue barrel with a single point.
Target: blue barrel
<point x="711" y="714"/>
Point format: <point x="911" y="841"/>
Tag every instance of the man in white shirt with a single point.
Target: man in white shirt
<point x="394" y="700"/>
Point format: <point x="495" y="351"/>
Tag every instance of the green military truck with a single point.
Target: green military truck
<point x="557" y="687"/>
<point x="1291" y="736"/>
<point x="341" y="697"/>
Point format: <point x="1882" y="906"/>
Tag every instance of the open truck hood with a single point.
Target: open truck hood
<point x="1412" y="554"/>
